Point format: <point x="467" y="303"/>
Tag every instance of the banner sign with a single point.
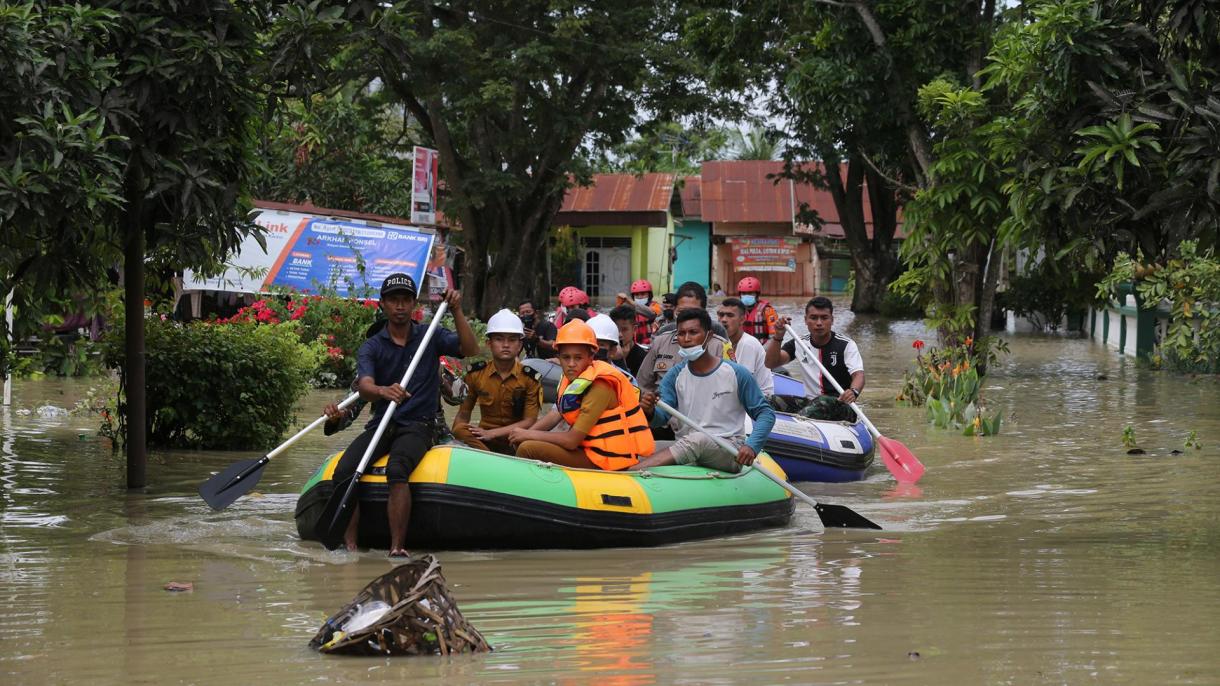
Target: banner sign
<point x="423" y="186"/>
<point x="305" y="252"/>
<point x="764" y="253"/>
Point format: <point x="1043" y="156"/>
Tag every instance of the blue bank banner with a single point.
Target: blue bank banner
<point x="306" y="252"/>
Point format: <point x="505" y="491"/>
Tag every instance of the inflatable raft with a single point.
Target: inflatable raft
<point x="806" y="449"/>
<point x="466" y="499"/>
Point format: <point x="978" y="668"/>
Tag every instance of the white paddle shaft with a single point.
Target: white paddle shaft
<point x="347" y="402"/>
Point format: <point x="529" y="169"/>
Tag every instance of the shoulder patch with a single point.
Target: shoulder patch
<point x="530" y="371"/>
<point x="477" y="367"/>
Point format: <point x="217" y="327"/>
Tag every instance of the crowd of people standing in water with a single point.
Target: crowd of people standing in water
<point x="620" y="371"/>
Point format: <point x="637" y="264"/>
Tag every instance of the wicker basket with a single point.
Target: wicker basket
<point x="422" y="619"/>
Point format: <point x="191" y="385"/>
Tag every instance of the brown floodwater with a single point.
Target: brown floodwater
<point x="1044" y="555"/>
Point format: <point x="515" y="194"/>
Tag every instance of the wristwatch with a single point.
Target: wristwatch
<point x="854" y="391"/>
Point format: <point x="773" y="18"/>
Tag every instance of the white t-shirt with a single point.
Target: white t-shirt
<point x="749" y="353"/>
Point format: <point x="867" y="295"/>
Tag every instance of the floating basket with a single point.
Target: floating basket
<point x="407" y="611"/>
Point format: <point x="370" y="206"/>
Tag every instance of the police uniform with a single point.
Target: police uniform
<point x="501" y="400"/>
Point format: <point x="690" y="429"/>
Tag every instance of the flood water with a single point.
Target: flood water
<point x="1044" y="555"/>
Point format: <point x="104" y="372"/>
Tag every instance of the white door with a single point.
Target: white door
<point x="616" y="272"/>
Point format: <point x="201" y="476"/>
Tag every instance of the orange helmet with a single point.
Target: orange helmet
<point x="576" y="332"/>
<point x="749" y="285"/>
<point x="569" y="296"/>
<point x="641" y="286"/>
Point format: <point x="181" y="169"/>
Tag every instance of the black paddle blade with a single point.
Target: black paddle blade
<point x="235" y="481"/>
<point x="843" y="517"/>
<point x="332" y="524"/>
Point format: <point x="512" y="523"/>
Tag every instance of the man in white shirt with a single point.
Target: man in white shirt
<point x="747" y="351"/>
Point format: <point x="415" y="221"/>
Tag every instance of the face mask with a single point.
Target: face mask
<point x="749" y="300"/>
<point x="692" y="353"/>
<point x="641" y="301"/>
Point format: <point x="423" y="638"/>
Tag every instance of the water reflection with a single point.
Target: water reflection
<point x="1044" y="554"/>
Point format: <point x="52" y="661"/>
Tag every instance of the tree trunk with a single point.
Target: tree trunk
<point x="133" y="309"/>
<point x="873" y="258"/>
<point x="518" y="248"/>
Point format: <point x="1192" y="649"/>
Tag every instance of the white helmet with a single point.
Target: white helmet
<point x="505" y="321"/>
<point x="604" y="328"/>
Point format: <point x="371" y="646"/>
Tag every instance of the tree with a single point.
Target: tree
<point x="351" y="150"/>
<point x="511" y="94"/>
<point x="664" y="147"/>
<point x="1092" y="130"/>
<point x="151" y="115"/>
<point x="755" y="143"/>
<point x="845" y="77"/>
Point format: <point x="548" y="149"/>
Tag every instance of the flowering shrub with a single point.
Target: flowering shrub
<point x="231" y="386"/>
<point x="947" y="381"/>
<point x="338" y="324"/>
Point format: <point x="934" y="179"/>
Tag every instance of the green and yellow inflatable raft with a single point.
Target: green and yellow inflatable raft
<point x="466" y="499"/>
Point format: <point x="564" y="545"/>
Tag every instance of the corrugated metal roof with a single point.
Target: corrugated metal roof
<point x="621" y="193"/>
<point x="692" y="196"/>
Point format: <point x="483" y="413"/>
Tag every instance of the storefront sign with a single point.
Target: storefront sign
<point x="764" y="253"/>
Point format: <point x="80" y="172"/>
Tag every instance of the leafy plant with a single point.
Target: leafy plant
<point x="1129" y="437"/>
<point x="1192" y="441"/>
<point x="948" y="382"/>
<point x="220" y="386"/>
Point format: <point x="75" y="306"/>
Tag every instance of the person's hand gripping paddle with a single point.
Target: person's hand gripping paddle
<point x="240" y="477"/>
<point x="832" y="516"/>
<point x="899" y="459"/>
<point x="339" y="509"/>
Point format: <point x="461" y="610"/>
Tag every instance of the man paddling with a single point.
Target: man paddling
<point x="837" y="352"/>
<point x="717" y="394"/>
<point x="380" y="364"/>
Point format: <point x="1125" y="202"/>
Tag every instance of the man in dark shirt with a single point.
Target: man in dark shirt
<point x="380" y="364"/>
<point x="539" y="333"/>
<point x="624" y="317"/>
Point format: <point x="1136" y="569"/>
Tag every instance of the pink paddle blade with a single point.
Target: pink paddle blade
<point x="901" y="462"/>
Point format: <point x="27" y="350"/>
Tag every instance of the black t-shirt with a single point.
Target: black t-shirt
<point x="542" y="330"/>
<point x="635" y="358"/>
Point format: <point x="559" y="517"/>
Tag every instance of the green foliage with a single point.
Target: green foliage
<point x="120" y="122"/>
<point x="349" y="151"/>
<point x="665" y="147"/>
<point x="513" y="96"/>
<point x="221" y="386"/>
<point x="1129" y="437"/>
<point x="60" y="356"/>
<point x="1192" y="441"/>
<point x="1190" y="284"/>
<point x="337" y="324"/>
<point x="1047" y="292"/>
<point x="948" y="382"/>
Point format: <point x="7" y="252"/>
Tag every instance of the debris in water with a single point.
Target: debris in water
<point x="406" y="611"/>
<point x="914" y="655"/>
<point x="51" y="412"/>
<point x="1135" y="451"/>
<point x="177" y="586"/>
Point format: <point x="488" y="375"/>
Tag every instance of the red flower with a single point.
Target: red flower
<point x="298" y="312"/>
<point x="334" y="353"/>
<point x="918" y="344"/>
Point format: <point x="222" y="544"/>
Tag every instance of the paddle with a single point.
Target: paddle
<point x="899" y="459"/>
<point x="239" y="478"/>
<point x="832" y="516"/>
<point x="338" y="511"/>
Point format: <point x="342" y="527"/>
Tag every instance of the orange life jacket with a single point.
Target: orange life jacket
<point x="760" y="323"/>
<point x="621" y="435"/>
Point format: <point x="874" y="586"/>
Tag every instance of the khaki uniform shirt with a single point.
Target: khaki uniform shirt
<point x="663" y="354"/>
<point x="502" y="400"/>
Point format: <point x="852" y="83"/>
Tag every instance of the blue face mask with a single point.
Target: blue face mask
<point x="749" y="300"/>
<point x="692" y="353"/>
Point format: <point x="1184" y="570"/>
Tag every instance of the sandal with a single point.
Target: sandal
<point x="399" y="554"/>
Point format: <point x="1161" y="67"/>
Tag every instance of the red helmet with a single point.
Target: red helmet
<point x="582" y="298"/>
<point x="641" y="286"/>
<point x="749" y="285"/>
<point x="569" y="296"/>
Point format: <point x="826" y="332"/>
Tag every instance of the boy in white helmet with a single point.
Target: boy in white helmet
<point x="607" y="334"/>
<point x="507" y="395"/>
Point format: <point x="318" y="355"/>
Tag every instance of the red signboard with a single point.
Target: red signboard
<point x="764" y="253"/>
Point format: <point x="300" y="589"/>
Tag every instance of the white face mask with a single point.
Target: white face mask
<point x="641" y="301"/>
<point x="692" y="353"/>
